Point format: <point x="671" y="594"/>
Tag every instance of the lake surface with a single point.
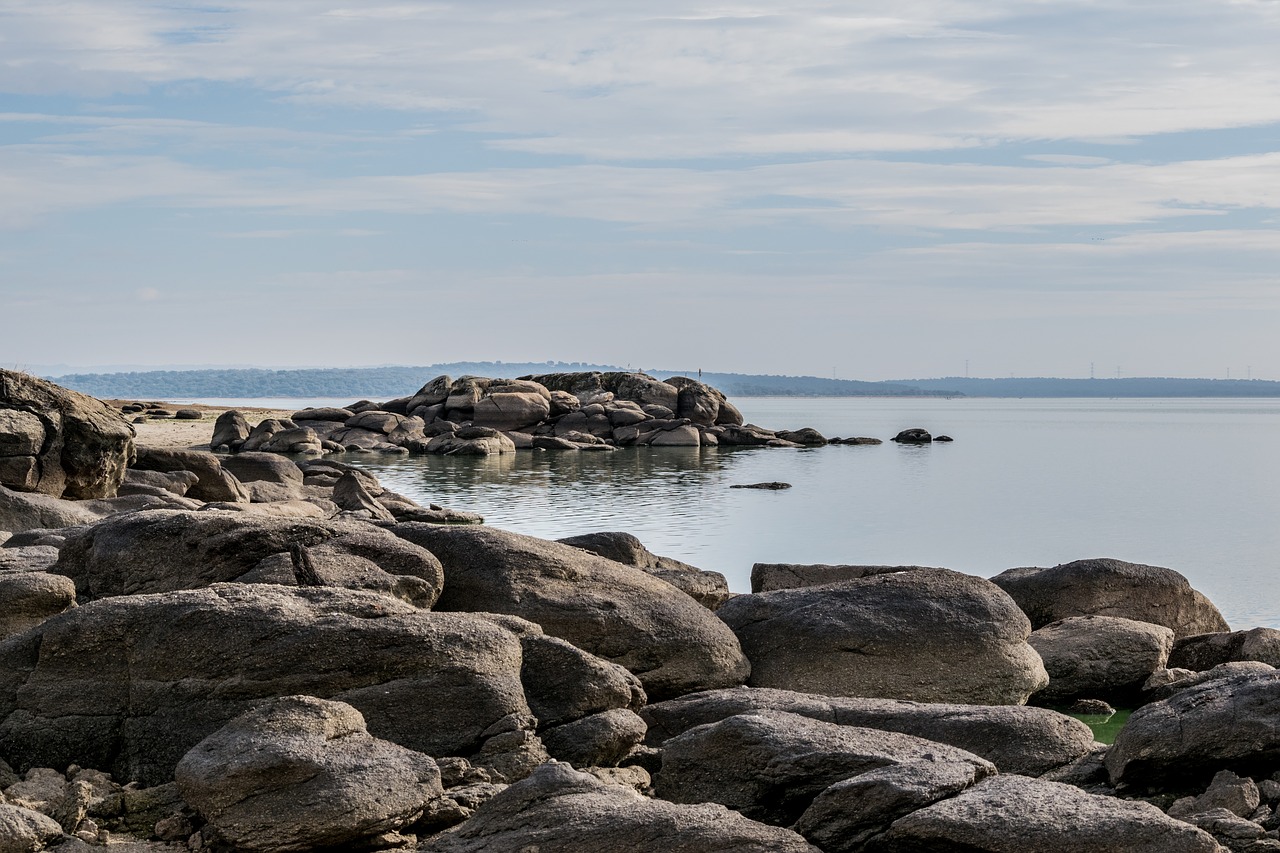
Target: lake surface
<point x="1192" y="484"/>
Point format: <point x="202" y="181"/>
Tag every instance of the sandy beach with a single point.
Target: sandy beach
<point x="189" y="434"/>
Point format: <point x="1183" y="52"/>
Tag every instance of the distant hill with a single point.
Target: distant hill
<point x="1125" y="387"/>
<point x="389" y="382"/>
<point x="384" y="383"/>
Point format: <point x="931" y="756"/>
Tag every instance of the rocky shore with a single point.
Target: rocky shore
<point x="477" y="416"/>
<point x="258" y="652"/>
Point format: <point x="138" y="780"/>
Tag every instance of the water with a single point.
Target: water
<point x="1192" y="484"/>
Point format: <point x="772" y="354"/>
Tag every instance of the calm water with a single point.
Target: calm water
<point x="1189" y="484"/>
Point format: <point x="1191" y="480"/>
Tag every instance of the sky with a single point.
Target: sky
<point x="866" y="190"/>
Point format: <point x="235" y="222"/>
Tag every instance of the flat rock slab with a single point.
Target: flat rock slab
<point x="1015" y="814"/>
<point x="560" y="809"/>
<point x="1016" y="738"/>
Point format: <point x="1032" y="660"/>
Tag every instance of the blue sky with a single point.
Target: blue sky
<point x="879" y="190"/>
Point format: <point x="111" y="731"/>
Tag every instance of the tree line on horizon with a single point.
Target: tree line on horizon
<point x="399" y="381"/>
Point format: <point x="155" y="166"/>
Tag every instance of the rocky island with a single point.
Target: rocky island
<point x="262" y="652"/>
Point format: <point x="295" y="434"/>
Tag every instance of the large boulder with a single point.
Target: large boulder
<point x="214" y="483"/>
<point x="300" y="773"/>
<point x="1099" y="657"/>
<point x="25" y="831"/>
<point x="167" y="550"/>
<point x="1106" y="587"/>
<point x="709" y="589"/>
<point x="130" y="684"/>
<point x="558" y="808"/>
<point x="930" y="635"/>
<point x="1016" y="738"/>
<point x="1014" y="814"/>
<point x="698" y="402"/>
<point x="616" y="612"/>
<point x="1226" y="723"/>
<point x="771" y="765"/>
<point x="849" y="815"/>
<point x="60" y="443"/>
<point x="1205" y="651"/>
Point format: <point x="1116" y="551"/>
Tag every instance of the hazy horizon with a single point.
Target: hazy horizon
<point x="809" y="188"/>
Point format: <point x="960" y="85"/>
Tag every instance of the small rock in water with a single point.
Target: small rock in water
<point x="774" y="486"/>
<point x="1091" y="706"/>
<point x="913" y="436"/>
<point x="943" y="438"/>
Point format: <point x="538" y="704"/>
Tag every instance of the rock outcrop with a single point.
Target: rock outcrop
<point x="930" y="635"/>
<point x="130" y="684"/>
<point x="60" y="443"/>
<point x="1106" y="587"/>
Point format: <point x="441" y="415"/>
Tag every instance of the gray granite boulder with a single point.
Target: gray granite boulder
<point x="299" y="773"/>
<point x="214" y="483"/>
<point x="1205" y="651"/>
<point x="130" y="684"/>
<point x="229" y="431"/>
<point x="20" y="511"/>
<point x="1106" y="587"/>
<point x="616" y="612"/>
<point x="770" y="765"/>
<point x="560" y="809"/>
<point x="710" y="589"/>
<point x="27" y="598"/>
<point x="58" y="442"/>
<point x="563" y="683"/>
<point x="848" y="816"/>
<point x="166" y="550"/>
<point x="600" y="740"/>
<point x="930" y="635"/>
<point x="25" y="831"/>
<point x="1099" y="657"/>
<point x="1016" y="738"/>
<point x="1015" y="814"/>
<point x="1224" y="723"/>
